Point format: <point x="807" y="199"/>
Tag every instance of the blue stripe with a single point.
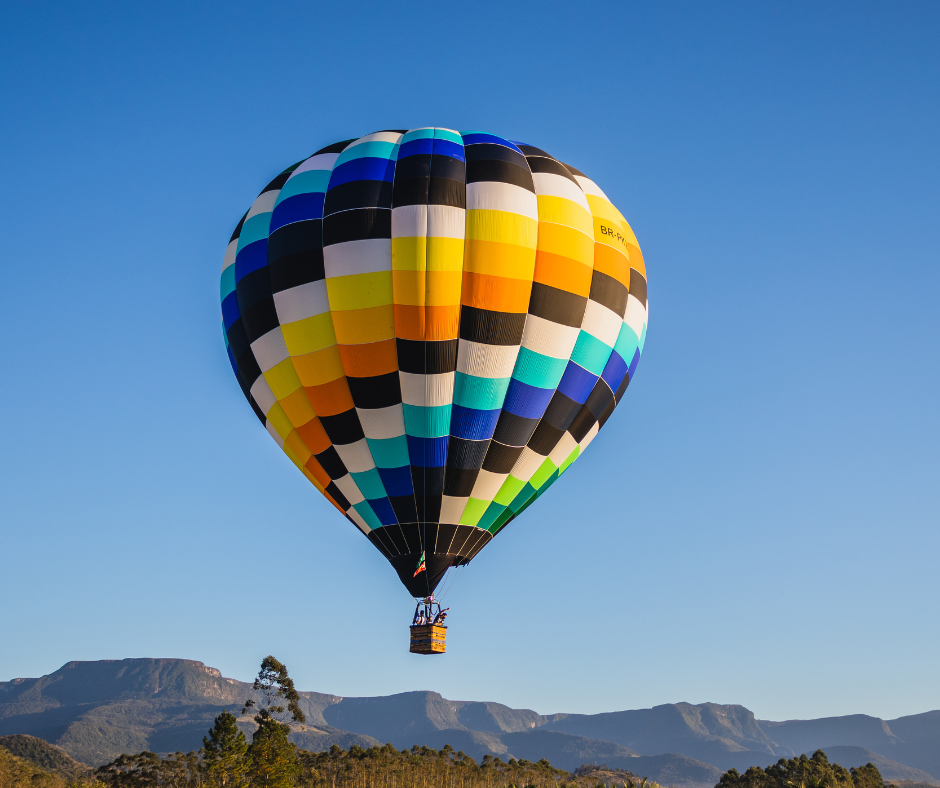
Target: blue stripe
<point x="231" y="358"/>
<point x="397" y="481"/>
<point x="448" y="148"/>
<point x="634" y="362"/>
<point x="366" y="169"/>
<point x="478" y="137"/>
<point x="472" y="424"/>
<point x="428" y="452"/>
<point x="230" y="310"/>
<point x="577" y="383"/>
<point x="614" y="371"/>
<point x="416" y="148"/>
<point x="383" y="510"/>
<point x="298" y="208"/>
<point x="527" y="401"/>
<point x="251" y="258"/>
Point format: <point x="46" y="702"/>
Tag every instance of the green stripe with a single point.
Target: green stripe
<point x="474" y="511"/>
<point x="493" y="511"/>
<point x="505" y="516"/>
<point x="590" y="353"/>
<point x="480" y="393"/>
<point x="509" y="490"/>
<point x="519" y="502"/>
<point x="545" y="470"/>
<point x="537" y="370"/>
<point x="570" y="459"/>
<point x="427" y="422"/>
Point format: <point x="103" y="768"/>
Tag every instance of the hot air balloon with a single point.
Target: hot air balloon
<point x="433" y="325"/>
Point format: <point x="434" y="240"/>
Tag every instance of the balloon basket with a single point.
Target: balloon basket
<point x="428" y="639"/>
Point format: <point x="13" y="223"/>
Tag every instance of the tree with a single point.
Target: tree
<point x="272" y="758"/>
<point x="224" y="761"/>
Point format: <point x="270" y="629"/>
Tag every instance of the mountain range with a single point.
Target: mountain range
<point x="97" y="710"/>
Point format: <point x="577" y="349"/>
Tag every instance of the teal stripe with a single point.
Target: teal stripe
<point x="537" y="370"/>
<point x="444" y="134"/>
<point x="389" y="452"/>
<point x="227" y="285"/>
<point x="418" y="134"/>
<point x="493" y="511"/>
<point x="370" y="483"/>
<point x="378" y="150"/>
<point x="590" y="353"/>
<point x="305" y="183"/>
<point x="627" y="343"/>
<point x="525" y="495"/>
<point x="427" y="422"/>
<point x="480" y="393"/>
<point x="368" y="515"/>
<point x="643" y="338"/>
<point x="255" y="229"/>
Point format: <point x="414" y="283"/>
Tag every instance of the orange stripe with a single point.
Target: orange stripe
<point x="330" y="399"/>
<point x="496" y="293"/>
<point x="636" y="259"/>
<point x="316" y="470"/>
<point x="314" y="436"/>
<point x="609" y="261"/>
<point x="364" y="361"/>
<point x="563" y="272"/>
<point x="430" y="323"/>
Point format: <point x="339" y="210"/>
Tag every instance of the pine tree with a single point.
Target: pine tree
<point x="224" y="761"/>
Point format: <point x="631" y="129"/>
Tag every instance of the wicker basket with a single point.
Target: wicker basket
<point x="428" y="639"/>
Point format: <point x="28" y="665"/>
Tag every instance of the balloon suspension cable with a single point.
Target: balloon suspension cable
<point x="450" y="580"/>
<point x="428" y="610"/>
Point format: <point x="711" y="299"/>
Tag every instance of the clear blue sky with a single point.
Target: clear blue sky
<point x="758" y="524"/>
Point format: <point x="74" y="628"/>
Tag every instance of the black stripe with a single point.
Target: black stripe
<point x="330" y="462"/>
<point x="558" y="306"/>
<point x="295" y="255"/>
<point x="428" y="482"/>
<point x="561" y="411"/>
<point x="393" y="534"/>
<point x="414" y="166"/>
<point x="413" y="539"/>
<point x="501" y="458"/>
<point x="638" y="286"/>
<point x="252" y="288"/>
<point x="531" y="150"/>
<point x="410" y="191"/>
<point x="337" y="496"/>
<point x="582" y="424"/>
<point x="427" y="358"/>
<point x="376" y="537"/>
<point x="608" y="291"/>
<point x="429" y="506"/>
<point x="378" y="391"/>
<point x="238" y="228"/>
<point x="336" y="147"/>
<point x="621" y="389"/>
<point x="542" y="164"/>
<point x="476" y="543"/>
<point x="600" y="397"/>
<point x="357" y="226"/>
<point x="491" y="328"/>
<point x="465" y="454"/>
<point x="358" y="194"/>
<point x="488" y="151"/>
<point x="258" y="412"/>
<point x="344" y="428"/>
<point x="444" y="537"/>
<point x="404" y="508"/>
<point x="499" y="172"/>
<point x="545" y="438"/>
<point x="575" y="172"/>
<point x="248" y="367"/>
<point x="237" y="341"/>
<point x="514" y="430"/>
<point x="279" y="181"/>
<point x="602" y="420"/>
<point x="260" y="318"/>
<point x="458" y="482"/>
<point x="447" y="191"/>
<point x="447" y="167"/>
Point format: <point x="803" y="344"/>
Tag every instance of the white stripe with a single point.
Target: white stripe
<point x="301" y="302"/>
<point x="355" y="456"/>
<point x="270" y="349"/>
<point x="452" y="509"/>
<point x="527" y="464"/>
<point x="273" y="433"/>
<point x="410" y="221"/>
<point x="230" y="252"/>
<point x="446" y="221"/>
<point x="486" y="361"/>
<point x="600" y="322"/>
<point x="550" y="183"/>
<point x="324" y="161"/>
<point x="562" y="449"/>
<point x="262" y="394"/>
<point x="636" y="316"/>
<point x="264" y="204"/>
<point x="589" y="187"/>
<point x="548" y="338"/>
<point x="487" y="485"/>
<point x="357" y="519"/>
<point x="493" y="196"/>
<point x="592" y="433"/>
<point x="358" y="257"/>
<point x="381" y="423"/>
<point x="347" y="486"/>
<point x="427" y="390"/>
<point x="379" y="136"/>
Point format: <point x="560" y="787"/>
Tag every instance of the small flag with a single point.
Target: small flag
<point x="421" y="566"/>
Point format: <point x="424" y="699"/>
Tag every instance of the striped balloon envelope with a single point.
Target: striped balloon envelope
<point x="433" y="325"/>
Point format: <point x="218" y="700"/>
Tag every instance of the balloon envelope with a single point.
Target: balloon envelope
<point x="433" y="326"/>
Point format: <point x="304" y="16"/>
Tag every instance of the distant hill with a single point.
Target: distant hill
<point x="44" y="755"/>
<point x="97" y="710"/>
<point x="19" y="773"/>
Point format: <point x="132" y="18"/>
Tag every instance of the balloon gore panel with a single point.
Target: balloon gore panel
<point x="433" y="325"/>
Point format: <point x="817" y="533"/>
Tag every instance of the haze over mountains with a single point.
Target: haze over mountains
<point x="97" y="710"/>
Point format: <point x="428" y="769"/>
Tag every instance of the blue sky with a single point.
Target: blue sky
<point x="758" y="523"/>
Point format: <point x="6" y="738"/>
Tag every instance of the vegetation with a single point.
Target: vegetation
<point x="44" y="755"/>
<point x="803" y="772"/>
<point x="19" y="773"/>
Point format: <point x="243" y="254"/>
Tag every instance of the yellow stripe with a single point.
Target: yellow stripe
<point x="358" y="326"/>
<point x="298" y="408"/>
<point x="359" y="291"/>
<point x="282" y="379"/>
<point x="610" y="234"/>
<point x="278" y="419"/>
<point x="445" y="254"/>
<point x="558" y="210"/>
<point x="602" y="209"/>
<point x="323" y="366"/>
<point x="409" y="253"/>
<point x="295" y="445"/>
<point x="432" y="288"/>
<point x="501" y="226"/>
<point x="567" y="242"/>
<point x="309" y="335"/>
